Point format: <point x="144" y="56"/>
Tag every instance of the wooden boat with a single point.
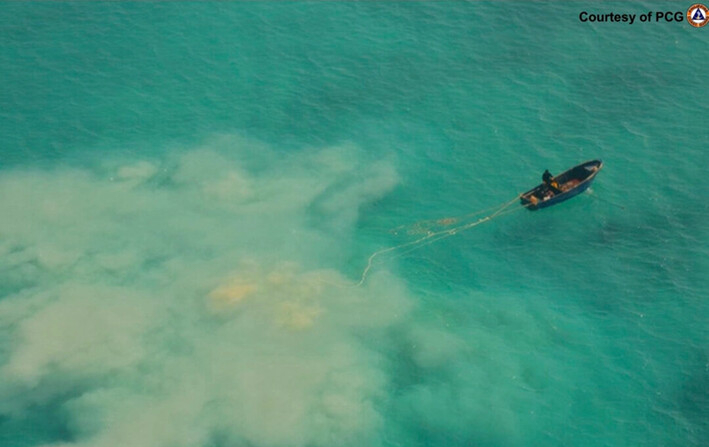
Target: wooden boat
<point x="570" y="183"/>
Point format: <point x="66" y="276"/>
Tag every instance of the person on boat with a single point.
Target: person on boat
<point x="550" y="182"/>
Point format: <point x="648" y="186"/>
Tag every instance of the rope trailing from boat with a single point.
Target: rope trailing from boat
<point x="435" y="236"/>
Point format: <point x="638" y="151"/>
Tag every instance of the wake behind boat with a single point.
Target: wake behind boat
<point x="562" y="187"/>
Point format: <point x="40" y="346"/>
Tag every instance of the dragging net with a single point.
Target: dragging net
<point x="430" y="231"/>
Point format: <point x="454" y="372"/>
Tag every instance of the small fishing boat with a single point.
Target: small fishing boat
<point x="570" y="183"/>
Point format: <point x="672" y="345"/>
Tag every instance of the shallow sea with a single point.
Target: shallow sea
<point x="189" y="193"/>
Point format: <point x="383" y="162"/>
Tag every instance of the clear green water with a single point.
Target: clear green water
<point x="190" y="191"/>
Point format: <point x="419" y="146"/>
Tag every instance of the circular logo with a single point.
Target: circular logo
<point x="698" y="15"/>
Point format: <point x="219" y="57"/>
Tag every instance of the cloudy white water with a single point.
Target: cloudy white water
<point x="174" y="300"/>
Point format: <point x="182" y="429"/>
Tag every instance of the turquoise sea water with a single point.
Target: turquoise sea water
<point x="190" y="193"/>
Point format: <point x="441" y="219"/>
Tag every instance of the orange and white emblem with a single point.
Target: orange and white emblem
<point x="698" y="15"/>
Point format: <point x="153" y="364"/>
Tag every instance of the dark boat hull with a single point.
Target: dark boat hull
<point x="572" y="182"/>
